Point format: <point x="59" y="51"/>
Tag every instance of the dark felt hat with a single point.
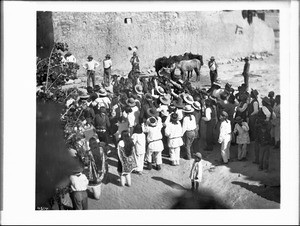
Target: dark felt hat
<point x="152" y="112"/>
<point x="238" y="119"/>
<point x="174" y="116"/>
<point x="266" y="100"/>
<point x="178" y="103"/>
<point x="130" y="102"/>
<point x="152" y="121"/>
<point x="254" y="92"/>
<point x="198" y="155"/>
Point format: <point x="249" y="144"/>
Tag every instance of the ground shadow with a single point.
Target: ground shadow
<point x="169" y="183"/>
<point x="111" y="178"/>
<point x="271" y="193"/>
<point x="250" y="75"/>
<point x="166" y="160"/>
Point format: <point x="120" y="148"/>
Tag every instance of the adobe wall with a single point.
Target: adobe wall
<point x="221" y="34"/>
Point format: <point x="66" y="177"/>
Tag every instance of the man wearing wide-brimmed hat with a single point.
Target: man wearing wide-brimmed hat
<point x="91" y="66"/>
<point x="176" y="106"/>
<point x="147" y="102"/>
<point x="173" y="131"/>
<point x="188" y="129"/>
<point x="266" y="111"/>
<point x="138" y="89"/>
<point x="197" y="113"/>
<point x="155" y="145"/>
<point x="107" y="64"/>
<point x="132" y="114"/>
<point x="241" y="130"/>
<point x="225" y="136"/>
<point x="103" y="99"/>
<point x="213" y="70"/>
<point x="210" y="118"/>
<point x="253" y="108"/>
<point x="135" y="62"/>
<point x="246" y="71"/>
<point x="79" y="185"/>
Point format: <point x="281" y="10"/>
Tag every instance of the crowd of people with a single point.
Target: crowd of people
<point x="146" y="117"/>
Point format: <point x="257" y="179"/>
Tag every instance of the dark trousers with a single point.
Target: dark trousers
<point x="209" y="135"/>
<point x="90" y="75"/>
<point x="213" y="76"/>
<point x="107" y="73"/>
<point x="195" y="185"/>
<point x="264" y="155"/>
<point x="103" y="136"/>
<point x="246" y="80"/>
<point x="256" y="152"/>
<point x="79" y="200"/>
<point x="188" y="139"/>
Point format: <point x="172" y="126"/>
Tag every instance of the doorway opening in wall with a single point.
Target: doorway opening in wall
<point x="128" y="20"/>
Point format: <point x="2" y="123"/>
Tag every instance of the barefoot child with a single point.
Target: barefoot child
<point x="196" y="171"/>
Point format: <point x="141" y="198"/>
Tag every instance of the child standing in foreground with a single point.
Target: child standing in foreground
<point x="196" y="171"/>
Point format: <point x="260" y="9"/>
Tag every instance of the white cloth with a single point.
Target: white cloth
<point x="140" y="162"/>
<point x="132" y="117"/>
<point x="79" y="183"/>
<point x="175" y="154"/>
<point x="196" y="171"/>
<point x="154" y="137"/>
<point x="179" y="113"/>
<point x="268" y="113"/>
<point x="121" y="127"/>
<point x="174" y="134"/>
<point x="103" y="102"/>
<point x="225" y="152"/>
<point x="243" y="133"/>
<point x="188" y="124"/>
<point x="208" y="112"/>
<point x="71" y="59"/>
<point x="107" y="63"/>
<point x="139" y="140"/>
<point x="225" y="131"/>
<point x="91" y="65"/>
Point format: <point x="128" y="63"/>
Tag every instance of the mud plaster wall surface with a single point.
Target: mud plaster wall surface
<point x="160" y="34"/>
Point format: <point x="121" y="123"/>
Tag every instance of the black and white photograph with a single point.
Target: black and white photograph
<point x="153" y="113"/>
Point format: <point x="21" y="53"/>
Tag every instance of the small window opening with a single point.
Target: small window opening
<point x="128" y="20"/>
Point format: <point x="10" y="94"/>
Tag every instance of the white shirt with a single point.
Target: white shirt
<point x="179" y="113"/>
<point x="103" y="102"/>
<point x="174" y="133"/>
<point x="207" y="117"/>
<point x="79" y="183"/>
<point x="91" y="65"/>
<point x="188" y="124"/>
<point x="71" y="59"/>
<point x="225" y="130"/>
<point x="154" y="133"/>
<point x="139" y="140"/>
<point x="267" y="113"/>
<point x="132" y="117"/>
<point x="107" y="63"/>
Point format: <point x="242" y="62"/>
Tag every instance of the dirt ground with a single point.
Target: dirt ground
<point x="239" y="184"/>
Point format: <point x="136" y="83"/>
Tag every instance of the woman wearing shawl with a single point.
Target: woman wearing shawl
<point x="126" y="159"/>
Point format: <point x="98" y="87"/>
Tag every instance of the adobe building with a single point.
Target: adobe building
<point x="223" y="34"/>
